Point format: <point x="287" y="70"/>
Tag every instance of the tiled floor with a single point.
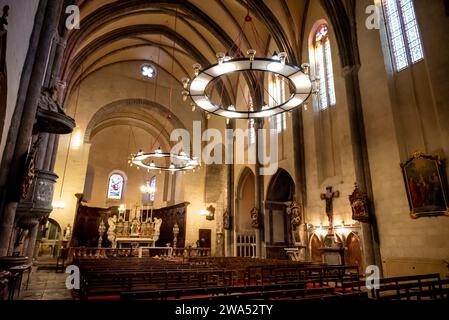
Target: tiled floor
<point x="45" y="285"/>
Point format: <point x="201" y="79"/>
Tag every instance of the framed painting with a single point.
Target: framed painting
<point x="425" y="182"/>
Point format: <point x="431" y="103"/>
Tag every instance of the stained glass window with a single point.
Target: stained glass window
<point x="403" y="33"/>
<point x="153" y="188"/>
<point x="323" y="67"/>
<point x="115" y="186"/>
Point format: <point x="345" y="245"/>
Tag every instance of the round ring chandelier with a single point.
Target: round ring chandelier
<point x="298" y="77"/>
<point x="178" y="162"/>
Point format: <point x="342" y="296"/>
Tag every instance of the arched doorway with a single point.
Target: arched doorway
<point x="281" y="192"/>
<point x="354" y="253"/>
<point x="315" y="248"/>
<point x="244" y="234"/>
<point x="50" y="238"/>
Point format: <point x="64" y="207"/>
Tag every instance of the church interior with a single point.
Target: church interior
<point x="274" y="149"/>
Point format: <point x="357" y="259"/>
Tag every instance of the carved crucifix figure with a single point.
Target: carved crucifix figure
<point x="329" y="197"/>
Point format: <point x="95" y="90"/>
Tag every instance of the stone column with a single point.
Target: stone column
<point x="49" y="153"/>
<point x="6" y="228"/>
<point x="361" y="162"/>
<point x="52" y="160"/>
<point x="231" y="195"/>
<point x="299" y="164"/>
<point x="25" y="131"/>
<point x="42" y="151"/>
<point x="59" y="55"/>
<point x="32" y="241"/>
<point x="259" y="195"/>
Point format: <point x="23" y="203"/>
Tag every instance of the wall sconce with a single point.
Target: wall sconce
<point x="58" y="204"/>
<point x="209" y="213"/>
<point x="77" y="139"/>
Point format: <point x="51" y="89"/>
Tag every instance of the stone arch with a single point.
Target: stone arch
<point x="113" y="109"/>
<point x="280" y="193"/>
<point x="245" y="199"/>
<point x="244" y="234"/>
<point x="344" y="31"/>
<point x="315" y="244"/>
<point x="354" y="253"/>
<point x="281" y="187"/>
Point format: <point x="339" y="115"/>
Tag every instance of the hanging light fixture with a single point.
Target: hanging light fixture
<point x="178" y="162"/>
<point x="158" y="159"/>
<point x="297" y="77"/>
<point x="147" y="188"/>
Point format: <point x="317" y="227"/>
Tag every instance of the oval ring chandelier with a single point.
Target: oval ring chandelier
<point x="296" y="76"/>
<point x="146" y="160"/>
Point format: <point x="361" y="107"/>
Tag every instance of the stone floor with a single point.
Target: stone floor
<point x="45" y="285"/>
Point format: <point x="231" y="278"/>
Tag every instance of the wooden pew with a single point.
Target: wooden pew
<point x="417" y="287"/>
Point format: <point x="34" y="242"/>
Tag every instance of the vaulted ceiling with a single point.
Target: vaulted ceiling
<point x="174" y="34"/>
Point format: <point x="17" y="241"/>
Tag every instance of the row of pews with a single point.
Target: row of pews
<point x="416" y="287"/>
<point x="206" y="277"/>
<point x="215" y="278"/>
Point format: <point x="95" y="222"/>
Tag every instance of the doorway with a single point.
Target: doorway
<point x="204" y="238"/>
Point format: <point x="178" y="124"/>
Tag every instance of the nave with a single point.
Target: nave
<point x="224" y="149"/>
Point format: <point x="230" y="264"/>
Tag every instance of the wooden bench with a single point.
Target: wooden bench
<point x="428" y="286"/>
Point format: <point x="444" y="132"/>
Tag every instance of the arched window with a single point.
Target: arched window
<point x="152" y="189"/>
<point x="251" y="123"/>
<point x="277" y="96"/>
<point x="116" y="185"/>
<point x="403" y="33"/>
<point x="323" y="67"/>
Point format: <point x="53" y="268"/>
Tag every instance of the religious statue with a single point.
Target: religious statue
<point x="175" y="234"/>
<point x="157" y="225"/>
<point x="156" y="229"/>
<point x="111" y="230"/>
<point x="67" y="233"/>
<point x="294" y="211"/>
<point x="135" y="226"/>
<point x="101" y="230"/>
<point x="119" y="227"/>
<point x="227" y="220"/>
<point x="359" y="205"/>
<point x="328" y="197"/>
<point x="30" y="170"/>
<point x="255" y="218"/>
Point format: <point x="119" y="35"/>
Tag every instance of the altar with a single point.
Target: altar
<point x="133" y="231"/>
<point x="135" y="242"/>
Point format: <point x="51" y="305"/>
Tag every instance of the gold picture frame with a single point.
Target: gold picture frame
<point x="425" y="182"/>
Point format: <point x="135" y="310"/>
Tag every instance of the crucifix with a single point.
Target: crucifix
<point x="329" y="197"/>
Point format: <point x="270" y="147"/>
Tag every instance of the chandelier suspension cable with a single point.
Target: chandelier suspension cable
<point x="259" y="47"/>
<point x="299" y="88"/>
<point x="158" y="64"/>
<point x="70" y="138"/>
<point x="173" y="60"/>
<point x="178" y="162"/>
<point x="129" y="142"/>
